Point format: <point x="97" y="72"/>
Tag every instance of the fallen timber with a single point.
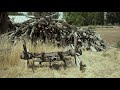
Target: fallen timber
<point x="47" y="29"/>
<point x="48" y="57"/>
<point x="54" y="56"/>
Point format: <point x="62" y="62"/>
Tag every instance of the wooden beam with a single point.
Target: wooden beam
<point x="77" y="59"/>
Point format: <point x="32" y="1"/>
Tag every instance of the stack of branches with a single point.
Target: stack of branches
<point x="47" y="29"/>
<point x="90" y="40"/>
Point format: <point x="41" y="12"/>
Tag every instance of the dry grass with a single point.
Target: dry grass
<point x="110" y="35"/>
<point x="99" y="65"/>
<point x="104" y="64"/>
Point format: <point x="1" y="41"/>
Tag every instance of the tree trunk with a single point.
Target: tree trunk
<point x="3" y="22"/>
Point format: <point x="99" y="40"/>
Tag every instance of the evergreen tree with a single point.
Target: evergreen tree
<point x="84" y="18"/>
<point x="113" y="18"/>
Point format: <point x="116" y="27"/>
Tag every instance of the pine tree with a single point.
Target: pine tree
<point x="84" y="18"/>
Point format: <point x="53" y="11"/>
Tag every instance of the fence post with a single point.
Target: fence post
<point x="77" y="59"/>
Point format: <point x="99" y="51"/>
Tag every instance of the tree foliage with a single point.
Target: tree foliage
<point x="84" y="18"/>
<point x="113" y="18"/>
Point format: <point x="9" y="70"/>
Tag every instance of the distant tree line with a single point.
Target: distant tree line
<point x="113" y="18"/>
<point x="92" y="18"/>
<point x="82" y="18"/>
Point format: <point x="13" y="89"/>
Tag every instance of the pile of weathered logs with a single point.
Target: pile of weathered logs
<point x="90" y="40"/>
<point x="46" y="29"/>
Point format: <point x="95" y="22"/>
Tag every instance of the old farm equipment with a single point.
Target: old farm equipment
<point x="54" y="56"/>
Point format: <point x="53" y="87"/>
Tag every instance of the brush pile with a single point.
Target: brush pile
<point x="46" y="29"/>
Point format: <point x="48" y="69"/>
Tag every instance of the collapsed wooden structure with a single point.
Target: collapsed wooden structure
<point x="54" y="56"/>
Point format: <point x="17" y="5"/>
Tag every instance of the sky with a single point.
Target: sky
<point x="24" y="13"/>
<point x="60" y="17"/>
<point x="20" y="19"/>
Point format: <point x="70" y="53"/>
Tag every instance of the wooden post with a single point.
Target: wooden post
<point x="25" y="64"/>
<point x="77" y="60"/>
<point x="75" y="41"/>
<point x="26" y="61"/>
<point x="75" y="45"/>
<point x="26" y="56"/>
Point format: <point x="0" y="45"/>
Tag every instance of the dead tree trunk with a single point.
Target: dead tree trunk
<point x="3" y="22"/>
